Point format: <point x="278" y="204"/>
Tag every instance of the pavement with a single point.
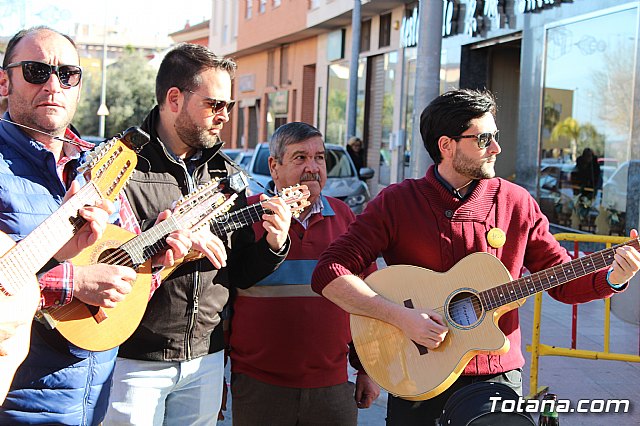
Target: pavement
<point x="570" y="378"/>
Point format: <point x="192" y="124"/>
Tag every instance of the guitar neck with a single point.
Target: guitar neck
<point x="238" y="219"/>
<point x="27" y="257"/>
<point x="549" y="278"/>
<point x="150" y="242"/>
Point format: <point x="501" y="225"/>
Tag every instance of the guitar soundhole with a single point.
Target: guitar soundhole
<point x="115" y="257"/>
<point x="464" y="310"/>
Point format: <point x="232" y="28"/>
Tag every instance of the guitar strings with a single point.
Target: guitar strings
<point x="121" y="257"/>
<point x="597" y="261"/>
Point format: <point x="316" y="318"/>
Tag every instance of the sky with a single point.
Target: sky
<point x="151" y="16"/>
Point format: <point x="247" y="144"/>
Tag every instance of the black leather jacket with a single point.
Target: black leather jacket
<point x="184" y="310"/>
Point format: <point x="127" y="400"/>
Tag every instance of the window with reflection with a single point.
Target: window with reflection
<point x="337" y="95"/>
<point x="390" y="61"/>
<point x="586" y="122"/>
<point x="337" y="90"/>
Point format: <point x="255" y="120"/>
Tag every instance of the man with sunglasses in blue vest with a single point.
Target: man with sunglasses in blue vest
<point x="459" y="207"/>
<point x="58" y="383"/>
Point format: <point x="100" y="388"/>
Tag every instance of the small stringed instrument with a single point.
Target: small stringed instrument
<point x="99" y="329"/>
<point x="295" y="197"/>
<point x="471" y="297"/>
<point x="109" y="166"/>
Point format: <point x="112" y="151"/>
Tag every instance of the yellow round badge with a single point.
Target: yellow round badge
<point x="496" y="237"/>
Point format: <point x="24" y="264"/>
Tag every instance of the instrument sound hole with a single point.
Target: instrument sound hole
<point x="464" y="309"/>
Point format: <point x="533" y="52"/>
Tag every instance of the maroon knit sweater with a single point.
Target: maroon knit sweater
<point x="418" y="222"/>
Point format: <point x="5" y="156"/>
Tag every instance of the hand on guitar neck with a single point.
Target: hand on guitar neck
<point x="179" y="243"/>
<point x="626" y="263"/>
<point x="96" y="217"/>
<point x="276" y="221"/>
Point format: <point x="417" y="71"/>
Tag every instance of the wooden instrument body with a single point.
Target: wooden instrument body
<point x="394" y="361"/>
<point x="81" y="324"/>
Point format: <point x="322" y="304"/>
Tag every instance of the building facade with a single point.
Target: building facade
<point x="563" y="71"/>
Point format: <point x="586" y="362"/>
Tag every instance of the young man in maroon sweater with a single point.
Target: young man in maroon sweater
<point x="435" y="221"/>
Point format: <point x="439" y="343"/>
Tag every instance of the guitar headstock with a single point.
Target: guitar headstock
<point x="296" y="198"/>
<point x="215" y="211"/>
<point x="204" y="204"/>
<point x="111" y="163"/>
<point x="205" y="192"/>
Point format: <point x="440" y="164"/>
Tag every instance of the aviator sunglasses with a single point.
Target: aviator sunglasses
<point x="216" y="105"/>
<point x="35" y="72"/>
<point x="482" y="139"/>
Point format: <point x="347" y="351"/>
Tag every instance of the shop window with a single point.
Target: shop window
<point x="361" y="97"/>
<point x="586" y="122"/>
<point x="337" y="91"/>
<point x="337" y="95"/>
<point x="389" y="65"/>
<point x="384" y="32"/>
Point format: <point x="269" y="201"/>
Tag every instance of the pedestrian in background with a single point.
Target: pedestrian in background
<point x="355" y="148"/>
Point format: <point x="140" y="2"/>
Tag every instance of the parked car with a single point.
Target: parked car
<point x="342" y="179"/>
<point x="241" y="156"/>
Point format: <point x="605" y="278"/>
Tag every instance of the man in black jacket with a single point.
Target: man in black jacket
<point x="167" y="371"/>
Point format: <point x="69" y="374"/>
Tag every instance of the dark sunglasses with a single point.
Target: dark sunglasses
<point x="483" y="139"/>
<point x="35" y="72"/>
<point x="216" y="105"/>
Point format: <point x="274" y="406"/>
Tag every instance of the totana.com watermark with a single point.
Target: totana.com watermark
<point x="561" y="405"/>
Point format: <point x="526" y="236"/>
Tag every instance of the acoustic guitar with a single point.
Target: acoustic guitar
<point x="108" y="167"/>
<point x="98" y="329"/>
<point x="471" y="297"/>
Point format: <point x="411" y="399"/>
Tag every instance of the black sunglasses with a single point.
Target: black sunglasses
<point x="216" y="105"/>
<point x="35" y="72"/>
<point x="483" y="139"/>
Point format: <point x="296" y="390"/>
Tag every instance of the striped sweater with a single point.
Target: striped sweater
<point x="283" y="333"/>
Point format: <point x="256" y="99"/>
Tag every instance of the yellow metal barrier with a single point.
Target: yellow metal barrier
<point x="538" y="349"/>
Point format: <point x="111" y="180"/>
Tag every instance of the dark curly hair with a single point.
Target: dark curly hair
<point x="450" y="114"/>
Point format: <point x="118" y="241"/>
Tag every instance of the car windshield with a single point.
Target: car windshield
<point x="262" y="162"/>
<point x="338" y="164"/>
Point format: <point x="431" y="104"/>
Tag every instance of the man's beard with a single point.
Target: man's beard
<point x="193" y="135"/>
<point x="473" y="169"/>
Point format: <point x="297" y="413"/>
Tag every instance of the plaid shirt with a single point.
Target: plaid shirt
<point x="56" y="285"/>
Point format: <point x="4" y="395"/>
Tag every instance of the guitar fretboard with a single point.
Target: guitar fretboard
<point x="27" y="257"/>
<point x="148" y="243"/>
<point x="549" y="278"/>
<point x="238" y="219"/>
